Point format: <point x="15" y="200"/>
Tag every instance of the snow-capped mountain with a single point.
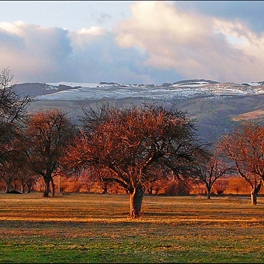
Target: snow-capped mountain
<point x="164" y="92"/>
<point x="216" y="107"/>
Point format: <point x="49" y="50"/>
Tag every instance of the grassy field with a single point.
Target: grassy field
<point x="82" y="228"/>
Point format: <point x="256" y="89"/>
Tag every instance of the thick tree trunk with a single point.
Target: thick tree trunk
<point x="254" y="194"/>
<point x="53" y="187"/>
<point x="23" y="188"/>
<point x="47" y="187"/>
<point x="136" y="198"/>
<point x="253" y="198"/>
<point x="29" y="186"/>
<point x="105" y="188"/>
<point x="208" y="192"/>
<point x="208" y="195"/>
<point x="8" y="186"/>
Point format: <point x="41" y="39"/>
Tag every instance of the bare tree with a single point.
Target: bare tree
<point x="211" y="167"/>
<point x="7" y="174"/>
<point x="159" y="178"/>
<point x="245" y="147"/>
<point x="12" y="162"/>
<point x="26" y="176"/>
<point x="45" y="139"/>
<point x="12" y="112"/>
<point x="127" y="142"/>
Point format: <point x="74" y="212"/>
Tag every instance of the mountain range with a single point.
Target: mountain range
<point x="215" y="106"/>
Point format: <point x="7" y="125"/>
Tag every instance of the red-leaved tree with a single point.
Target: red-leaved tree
<point x="129" y="141"/>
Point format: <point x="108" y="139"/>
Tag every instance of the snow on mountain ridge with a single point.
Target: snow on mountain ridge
<point x="194" y="82"/>
<point x="185" y="89"/>
<point x="74" y="84"/>
<point x="111" y="90"/>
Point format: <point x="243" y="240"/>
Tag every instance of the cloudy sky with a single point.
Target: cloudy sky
<point x="132" y="41"/>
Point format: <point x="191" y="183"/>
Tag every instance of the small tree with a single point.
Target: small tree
<point x="12" y="164"/>
<point x="7" y="175"/>
<point x="127" y="142"/>
<point x="211" y="167"/>
<point x="45" y="139"/>
<point x="245" y="147"/>
<point x="177" y="187"/>
<point x="159" y="178"/>
<point x="26" y="177"/>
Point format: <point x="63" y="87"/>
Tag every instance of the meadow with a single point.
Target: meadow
<point x="91" y="228"/>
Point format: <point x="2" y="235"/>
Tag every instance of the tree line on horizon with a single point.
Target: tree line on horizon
<point x="133" y="147"/>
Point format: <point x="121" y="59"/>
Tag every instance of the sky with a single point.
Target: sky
<point x="132" y="41"/>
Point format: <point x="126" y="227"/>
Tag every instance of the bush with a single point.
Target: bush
<point x="177" y="188"/>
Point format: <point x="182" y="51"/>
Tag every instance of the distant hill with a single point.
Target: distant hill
<point x="217" y="107"/>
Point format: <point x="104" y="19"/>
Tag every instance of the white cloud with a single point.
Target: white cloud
<point x="196" y="46"/>
<point x="13" y="28"/>
<point x="249" y="42"/>
<point x="40" y="54"/>
<point x="158" y="43"/>
<point x="96" y="31"/>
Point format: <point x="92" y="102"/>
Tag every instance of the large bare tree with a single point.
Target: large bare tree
<point x="45" y="138"/>
<point x="129" y="141"/>
<point x="245" y="147"/>
<point x="12" y="112"/>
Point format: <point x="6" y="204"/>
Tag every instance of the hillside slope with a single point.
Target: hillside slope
<point x="216" y="107"/>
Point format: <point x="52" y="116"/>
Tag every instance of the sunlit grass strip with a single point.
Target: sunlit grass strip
<point x="128" y="220"/>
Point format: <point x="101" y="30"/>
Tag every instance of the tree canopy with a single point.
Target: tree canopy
<point x="130" y="142"/>
<point x="245" y="147"/>
<point x="45" y="139"/>
<point x="12" y="112"/>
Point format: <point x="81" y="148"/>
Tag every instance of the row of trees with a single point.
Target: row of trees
<point x="132" y="147"/>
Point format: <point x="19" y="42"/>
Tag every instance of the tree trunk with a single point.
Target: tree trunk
<point x="105" y="187"/>
<point x="53" y="187"/>
<point x="47" y="187"/>
<point x="150" y="190"/>
<point x="29" y="186"/>
<point x="23" y="188"/>
<point x="136" y="198"/>
<point x="254" y="194"/>
<point x="208" y="192"/>
<point x="8" y="186"/>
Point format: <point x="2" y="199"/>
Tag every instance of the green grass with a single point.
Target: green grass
<point x="82" y="228"/>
